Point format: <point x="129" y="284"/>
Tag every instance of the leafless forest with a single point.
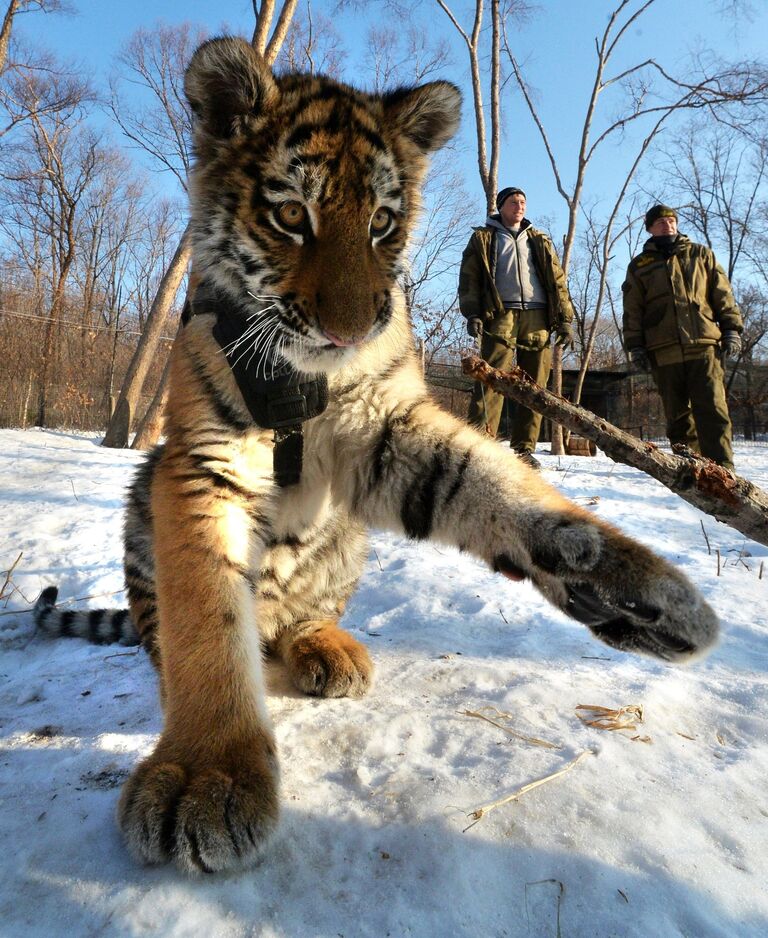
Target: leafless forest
<point x="93" y="261"/>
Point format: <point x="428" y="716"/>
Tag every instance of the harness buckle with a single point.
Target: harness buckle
<point x="286" y="410"/>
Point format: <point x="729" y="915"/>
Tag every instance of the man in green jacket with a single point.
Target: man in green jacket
<point x="513" y="294"/>
<point x="680" y="324"/>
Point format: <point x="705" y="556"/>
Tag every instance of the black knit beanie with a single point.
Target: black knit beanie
<point x="658" y="211"/>
<point x="502" y="197"/>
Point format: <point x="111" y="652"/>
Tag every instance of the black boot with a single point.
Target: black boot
<point x="526" y="456"/>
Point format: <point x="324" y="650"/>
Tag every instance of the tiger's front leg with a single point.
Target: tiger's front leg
<point x="433" y="477"/>
<point x="207" y="797"/>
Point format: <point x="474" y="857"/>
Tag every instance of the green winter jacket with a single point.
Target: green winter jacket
<point x="683" y="300"/>
<point x="478" y="296"/>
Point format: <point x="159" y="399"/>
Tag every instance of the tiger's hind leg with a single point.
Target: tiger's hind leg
<point x="139" y="558"/>
<point x="304" y="585"/>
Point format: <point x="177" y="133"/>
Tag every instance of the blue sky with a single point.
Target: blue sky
<point x="556" y="47"/>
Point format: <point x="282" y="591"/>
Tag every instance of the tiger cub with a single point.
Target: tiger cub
<point x="245" y="531"/>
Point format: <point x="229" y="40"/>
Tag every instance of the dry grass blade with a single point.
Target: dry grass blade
<point x="560" y="894"/>
<point x="9" y="574"/>
<point x="588" y="499"/>
<point x="605" y="718"/>
<point x="480" y="812"/>
<point x="703" y="531"/>
<point x="482" y="714"/>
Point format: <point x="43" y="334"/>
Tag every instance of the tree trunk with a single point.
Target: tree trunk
<point x="151" y="425"/>
<point x="119" y="426"/>
<point x="697" y="480"/>
<point x="45" y="371"/>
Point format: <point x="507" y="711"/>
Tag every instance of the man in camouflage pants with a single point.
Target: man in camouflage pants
<point x="680" y="318"/>
<point x="513" y="294"/>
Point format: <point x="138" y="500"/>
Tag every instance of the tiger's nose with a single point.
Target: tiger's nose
<point x="340" y="342"/>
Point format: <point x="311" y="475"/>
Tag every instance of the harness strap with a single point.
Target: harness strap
<point x="282" y="402"/>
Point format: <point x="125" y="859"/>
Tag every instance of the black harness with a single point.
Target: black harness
<point x="283" y="401"/>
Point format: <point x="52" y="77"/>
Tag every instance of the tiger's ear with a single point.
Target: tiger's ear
<point x="227" y="81"/>
<point x="429" y="114"/>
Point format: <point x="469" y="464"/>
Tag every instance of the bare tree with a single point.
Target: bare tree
<point x="45" y="184"/>
<point x="265" y="44"/>
<point x="312" y="44"/>
<point x="487" y="162"/>
<point x="125" y="409"/>
<point x="431" y="275"/>
<point x="162" y="127"/>
<point x="717" y="179"/>
<point x="155" y="116"/>
<point x="397" y="55"/>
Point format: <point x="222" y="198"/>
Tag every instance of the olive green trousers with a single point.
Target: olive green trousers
<point x="695" y="406"/>
<point x="521" y="336"/>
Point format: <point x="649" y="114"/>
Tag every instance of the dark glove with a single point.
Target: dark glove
<point x="639" y="363"/>
<point x="475" y="327"/>
<point x="564" y="337"/>
<point x="731" y="344"/>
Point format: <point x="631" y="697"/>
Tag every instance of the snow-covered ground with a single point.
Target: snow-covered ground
<point x="663" y="832"/>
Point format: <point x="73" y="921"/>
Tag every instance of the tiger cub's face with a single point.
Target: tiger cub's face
<point x="304" y="194"/>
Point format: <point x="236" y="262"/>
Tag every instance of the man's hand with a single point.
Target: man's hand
<point x="564" y="336"/>
<point x="731" y="344"/>
<point x="639" y="363"/>
<point x="475" y="327"/>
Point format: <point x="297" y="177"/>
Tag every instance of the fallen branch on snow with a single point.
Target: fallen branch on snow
<point x="699" y="481"/>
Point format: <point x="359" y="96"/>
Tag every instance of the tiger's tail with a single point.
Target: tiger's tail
<point x="97" y="626"/>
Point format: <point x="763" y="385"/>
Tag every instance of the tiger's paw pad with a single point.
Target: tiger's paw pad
<point x="328" y="662"/>
<point x="205" y="822"/>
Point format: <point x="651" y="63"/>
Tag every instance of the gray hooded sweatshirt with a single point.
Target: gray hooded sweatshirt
<point x="515" y="274"/>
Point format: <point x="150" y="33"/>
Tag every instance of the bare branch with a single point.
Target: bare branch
<point x="535" y="115"/>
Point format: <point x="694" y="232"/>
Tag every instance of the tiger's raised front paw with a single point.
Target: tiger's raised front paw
<point x="205" y="819"/>
<point x="628" y="597"/>
<point x="325" y="661"/>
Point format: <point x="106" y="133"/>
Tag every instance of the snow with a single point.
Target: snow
<point x="660" y="838"/>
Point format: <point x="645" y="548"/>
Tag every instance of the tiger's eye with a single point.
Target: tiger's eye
<point x="291" y="214"/>
<point x="381" y="221"/>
